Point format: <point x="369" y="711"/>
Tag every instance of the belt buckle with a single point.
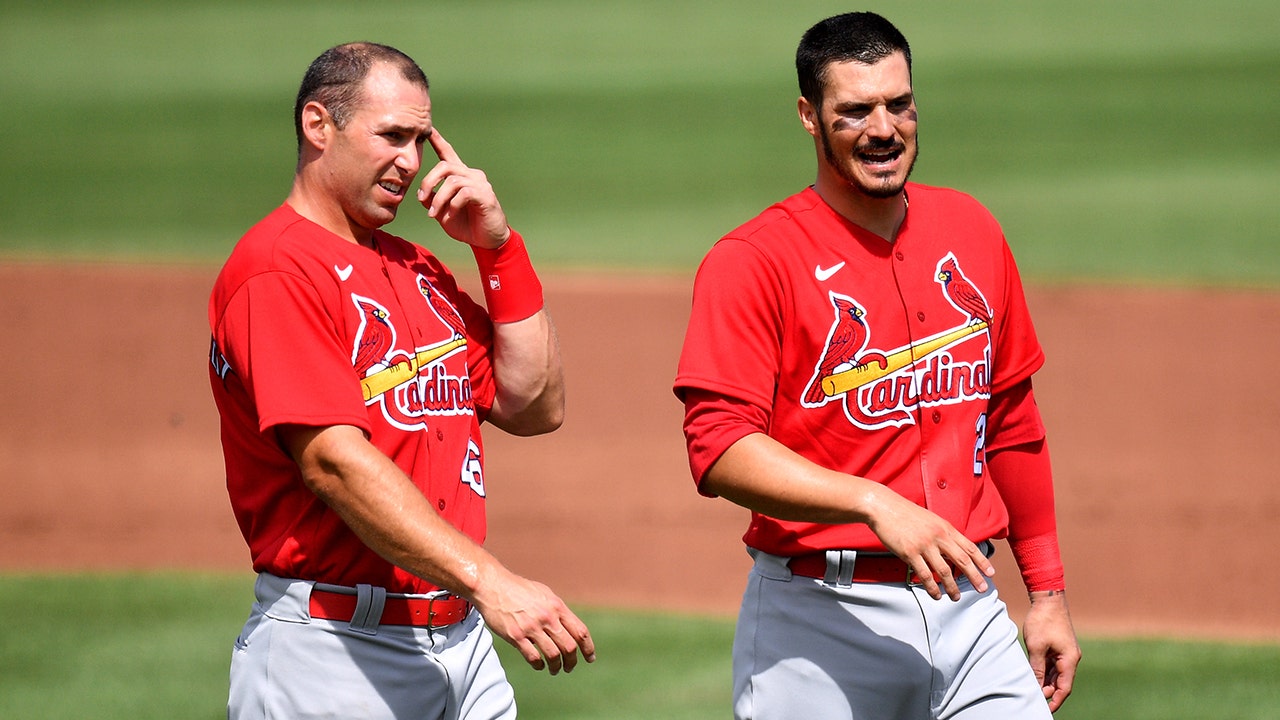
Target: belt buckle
<point x="431" y="611"/>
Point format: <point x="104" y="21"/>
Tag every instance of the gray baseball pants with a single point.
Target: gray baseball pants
<point x="288" y="665"/>
<point x="876" y="651"/>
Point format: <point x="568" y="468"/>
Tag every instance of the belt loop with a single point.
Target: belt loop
<point x="833" y="567"/>
<point x="840" y="567"/>
<point x="368" y="613"/>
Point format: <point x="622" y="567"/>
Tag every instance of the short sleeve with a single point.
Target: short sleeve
<point x="282" y="343"/>
<point x="733" y="344"/>
<point x="1019" y="354"/>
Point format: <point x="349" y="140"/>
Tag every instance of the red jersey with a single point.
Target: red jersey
<point x="311" y="329"/>
<point x="871" y="358"/>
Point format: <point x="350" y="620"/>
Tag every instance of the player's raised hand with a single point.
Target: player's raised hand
<point x="930" y="545"/>
<point x="461" y="199"/>
<point x="535" y="621"/>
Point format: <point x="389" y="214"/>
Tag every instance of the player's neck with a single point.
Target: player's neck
<point x="316" y="207"/>
<point x="882" y="216"/>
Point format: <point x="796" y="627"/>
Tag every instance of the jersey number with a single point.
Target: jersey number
<point x="980" y="445"/>
<point x="472" y="469"/>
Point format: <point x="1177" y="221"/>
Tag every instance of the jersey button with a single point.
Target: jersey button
<point x="937" y="417"/>
<point x="439" y="434"/>
<point x="440" y="504"/>
<point x="942" y="484"/>
<point x="920" y="316"/>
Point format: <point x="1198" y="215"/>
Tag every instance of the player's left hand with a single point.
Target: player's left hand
<point x="461" y="199"/>
<point x="534" y="620"/>
<point x="1051" y="645"/>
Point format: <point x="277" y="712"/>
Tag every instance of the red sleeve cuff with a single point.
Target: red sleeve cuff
<point x="713" y="423"/>
<point x="1024" y="478"/>
<point x="1040" y="562"/>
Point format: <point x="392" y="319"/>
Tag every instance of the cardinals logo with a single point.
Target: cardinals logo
<point x="443" y="309"/>
<point x="885" y="387"/>
<point x="412" y="385"/>
<point x="961" y="293"/>
<point x="846" y="346"/>
<point x="374" y="340"/>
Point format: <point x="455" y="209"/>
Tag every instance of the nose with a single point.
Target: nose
<point x="880" y="123"/>
<point x="409" y="159"/>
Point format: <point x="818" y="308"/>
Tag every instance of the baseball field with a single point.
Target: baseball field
<point x="1130" y="151"/>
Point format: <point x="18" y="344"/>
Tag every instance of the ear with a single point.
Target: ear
<point x="317" y="125"/>
<point x="808" y="116"/>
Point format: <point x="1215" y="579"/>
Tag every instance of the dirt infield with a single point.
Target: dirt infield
<point x="1167" y="494"/>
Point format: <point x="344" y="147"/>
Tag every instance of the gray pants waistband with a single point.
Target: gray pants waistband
<point x="289" y="600"/>
<point x="840" y="563"/>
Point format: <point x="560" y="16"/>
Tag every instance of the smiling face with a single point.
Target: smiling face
<point x="865" y="130"/>
<point x="366" y="167"/>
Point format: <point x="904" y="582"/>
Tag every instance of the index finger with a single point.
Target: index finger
<point x="442" y="148"/>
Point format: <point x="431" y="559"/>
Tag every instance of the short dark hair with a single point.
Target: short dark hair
<point x="862" y="36"/>
<point x="336" y="79"/>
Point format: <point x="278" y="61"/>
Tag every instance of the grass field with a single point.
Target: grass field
<point x="157" y="646"/>
<point x="1131" y="142"/>
<point x="1114" y="140"/>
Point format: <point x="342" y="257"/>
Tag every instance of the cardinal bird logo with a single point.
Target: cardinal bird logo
<point x="885" y="387"/>
<point x="845" y="344"/>
<point x="443" y="309"/>
<point x="961" y="293"/>
<point x="376" y="338"/>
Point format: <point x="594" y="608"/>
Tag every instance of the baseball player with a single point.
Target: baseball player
<point x="351" y="375"/>
<point x="857" y="372"/>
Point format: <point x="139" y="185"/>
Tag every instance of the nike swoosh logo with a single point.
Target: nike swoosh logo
<point x="824" y="274"/>
<point x="343" y="273"/>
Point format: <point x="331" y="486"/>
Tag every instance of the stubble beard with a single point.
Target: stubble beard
<point x="884" y="189"/>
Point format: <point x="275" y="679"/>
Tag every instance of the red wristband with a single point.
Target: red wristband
<point x="512" y="290"/>
<point x="1039" y="561"/>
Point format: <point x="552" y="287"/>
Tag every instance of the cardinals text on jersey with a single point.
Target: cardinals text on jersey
<point x="883" y="387"/>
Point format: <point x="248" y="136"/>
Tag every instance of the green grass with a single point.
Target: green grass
<point x="635" y="133"/>
<point x="158" y="645"/>
<point x="1165" y="679"/>
<point x="648" y="666"/>
<point x="137" y="646"/>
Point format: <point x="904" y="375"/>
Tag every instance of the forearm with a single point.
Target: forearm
<point x="388" y="513"/>
<point x="529" y="376"/>
<point x="527" y="366"/>
<point x="761" y="474"/>
<point x="384" y="509"/>
<point x="1024" y="478"/>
